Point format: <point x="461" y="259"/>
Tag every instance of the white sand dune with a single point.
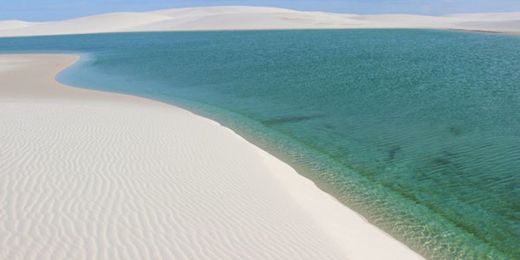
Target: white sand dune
<point x="13" y="24"/>
<point x="220" y="10"/>
<point x="113" y="22"/>
<point x="248" y="18"/>
<point x="511" y="16"/>
<point x="93" y="175"/>
<point x="492" y="26"/>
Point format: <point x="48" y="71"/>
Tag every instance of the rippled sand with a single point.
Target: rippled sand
<point x="92" y="175"/>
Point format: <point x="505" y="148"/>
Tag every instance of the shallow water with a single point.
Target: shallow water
<point x="418" y="130"/>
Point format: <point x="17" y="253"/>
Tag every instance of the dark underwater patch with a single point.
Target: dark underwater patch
<point x="288" y="119"/>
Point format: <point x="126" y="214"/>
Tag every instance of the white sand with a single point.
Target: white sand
<point x="248" y="18"/>
<point x="94" y="175"/>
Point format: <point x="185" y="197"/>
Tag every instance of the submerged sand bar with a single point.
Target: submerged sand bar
<point x="93" y="175"/>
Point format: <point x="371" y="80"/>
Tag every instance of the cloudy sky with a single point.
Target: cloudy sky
<point x="41" y="10"/>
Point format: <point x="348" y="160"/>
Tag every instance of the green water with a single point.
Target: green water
<point x="418" y="130"/>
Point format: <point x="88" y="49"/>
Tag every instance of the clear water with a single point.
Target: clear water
<point x="418" y="130"/>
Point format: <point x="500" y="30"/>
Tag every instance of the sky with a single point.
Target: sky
<point x="44" y="10"/>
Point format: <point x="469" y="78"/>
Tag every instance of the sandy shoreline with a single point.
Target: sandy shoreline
<point x="88" y="174"/>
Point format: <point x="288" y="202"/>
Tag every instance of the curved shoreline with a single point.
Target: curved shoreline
<point x="349" y="233"/>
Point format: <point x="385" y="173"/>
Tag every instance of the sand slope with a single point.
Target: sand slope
<point x="113" y="22"/>
<point x="13" y="24"/>
<point x="247" y="18"/>
<point x="93" y="175"/>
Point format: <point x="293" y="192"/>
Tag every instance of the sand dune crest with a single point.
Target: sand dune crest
<point x="255" y="18"/>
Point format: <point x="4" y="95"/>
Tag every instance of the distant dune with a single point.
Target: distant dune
<point x="13" y="24"/>
<point x="256" y="18"/>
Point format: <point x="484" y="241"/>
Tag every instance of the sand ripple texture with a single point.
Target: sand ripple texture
<point x="92" y="175"/>
<point x="130" y="182"/>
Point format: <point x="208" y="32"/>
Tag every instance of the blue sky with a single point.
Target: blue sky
<point x="40" y="10"/>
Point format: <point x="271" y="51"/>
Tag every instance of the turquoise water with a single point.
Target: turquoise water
<point x="418" y="130"/>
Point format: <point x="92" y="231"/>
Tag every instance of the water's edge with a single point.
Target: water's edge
<point x="350" y="191"/>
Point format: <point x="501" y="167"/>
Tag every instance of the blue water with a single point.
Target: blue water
<point x="418" y="130"/>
